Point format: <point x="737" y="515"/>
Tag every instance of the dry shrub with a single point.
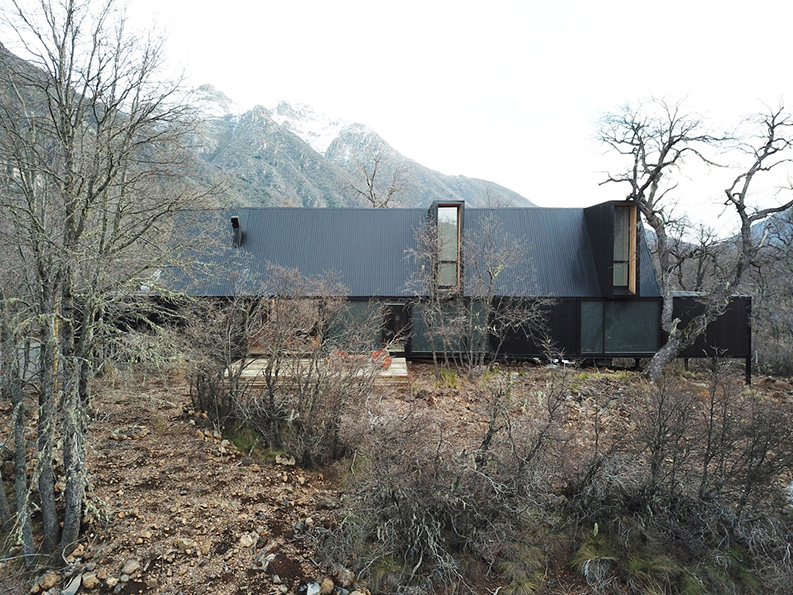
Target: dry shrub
<point x="692" y="492"/>
<point x="447" y="513"/>
<point x="313" y="357"/>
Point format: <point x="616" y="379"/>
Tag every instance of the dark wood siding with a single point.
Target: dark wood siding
<point x="728" y="336"/>
<point x="562" y="325"/>
<point x="600" y="226"/>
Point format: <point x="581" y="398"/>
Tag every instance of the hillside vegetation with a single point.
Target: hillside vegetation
<point x="531" y="479"/>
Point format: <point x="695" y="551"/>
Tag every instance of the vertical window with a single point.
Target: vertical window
<point x="448" y="246"/>
<point x="620" y="326"/>
<point x="625" y="247"/>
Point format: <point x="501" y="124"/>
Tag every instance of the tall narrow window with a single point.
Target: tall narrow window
<point x="621" y="246"/>
<point x="625" y="247"/>
<point x="448" y="246"/>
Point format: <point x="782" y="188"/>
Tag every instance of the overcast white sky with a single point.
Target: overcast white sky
<point x="506" y="90"/>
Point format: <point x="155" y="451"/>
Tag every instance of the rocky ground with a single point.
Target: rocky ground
<point x="176" y="509"/>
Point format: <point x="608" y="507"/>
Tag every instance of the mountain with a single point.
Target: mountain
<point x="294" y="156"/>
<point x="259" y="163"/>
<point x="318" y="130"/>
<point x="211" y="103"/>
<point x="357" y="145"/>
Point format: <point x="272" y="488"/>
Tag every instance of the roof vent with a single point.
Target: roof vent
<point x="235" y="226"/>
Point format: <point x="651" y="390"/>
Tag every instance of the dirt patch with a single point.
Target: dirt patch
<point x="285" y="568"/>
<point x="171" y="498"/>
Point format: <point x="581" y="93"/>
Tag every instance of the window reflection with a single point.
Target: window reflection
<point x="448" y="246"/>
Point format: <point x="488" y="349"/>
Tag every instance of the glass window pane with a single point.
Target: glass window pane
<point x="591" y="327"/>
<point x="428" y="327"/>
<point x="419" y="335"/>
<point x="447" y="233"/>
<point x="447" y="274"/>
<point x="631" y="327"/>
<point x="349" y="321"/>
<point x="622" y="223"/>
<point x="620" y="274"/>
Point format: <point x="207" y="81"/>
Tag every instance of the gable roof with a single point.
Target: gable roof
<point x="367" y="249"/>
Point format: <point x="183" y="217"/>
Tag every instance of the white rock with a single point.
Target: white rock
<point x="130" y="567"/>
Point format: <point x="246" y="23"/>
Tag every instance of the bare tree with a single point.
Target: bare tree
<point x="89" y="142"/>
<point x="772" y="297"/>
<point x="375" y="186"/>
<point x="468" y="324"/>
<point x="656" y="142"/>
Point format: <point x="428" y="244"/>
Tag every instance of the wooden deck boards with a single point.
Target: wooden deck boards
<point x="396" y="375"/>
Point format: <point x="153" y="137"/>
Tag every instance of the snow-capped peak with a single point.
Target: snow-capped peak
<point x="213" y="103"/>
<point x="316" y="129"/>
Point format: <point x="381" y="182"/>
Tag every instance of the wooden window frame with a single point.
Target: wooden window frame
<point x="632" y="246"/>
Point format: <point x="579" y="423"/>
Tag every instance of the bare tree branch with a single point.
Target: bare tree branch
<point x="373" y="189"/>
<point x="657" y="140"/>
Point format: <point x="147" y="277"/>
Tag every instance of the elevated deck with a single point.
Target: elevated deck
<point x="395" y="375"/>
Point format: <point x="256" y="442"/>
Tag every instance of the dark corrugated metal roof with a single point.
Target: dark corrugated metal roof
<point x="556" y="259"/>
<point x="367" y="250"/>
<point x="364" y="247"/>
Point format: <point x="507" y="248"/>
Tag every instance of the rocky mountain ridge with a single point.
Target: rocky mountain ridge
<point x="294" y="156"/>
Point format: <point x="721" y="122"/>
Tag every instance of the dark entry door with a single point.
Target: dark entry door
<point x="395" y="327"/>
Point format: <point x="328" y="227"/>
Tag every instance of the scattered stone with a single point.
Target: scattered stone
<point x="184" y="544"/>
<point x="312" y="588"/>
<point x="130" y="567"/>
<point x="247" y="541"/>
<point x="262" y="561"/>
<point x="151" y="582"/>
<point x="111" y="582"/>
<point x="76" y="553"/>
<point x="49" y="580"/>
<point x="73" y="586"/>
<point x="90" y="580"/>
<point x="285" y="460"/>
<point x="326" y="588"/>
<point x="130" y="433"/>
<point x="789" y="493"/>
<point x="343" y="576"/>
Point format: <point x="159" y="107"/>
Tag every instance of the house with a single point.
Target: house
<point x="591" y="265"/>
